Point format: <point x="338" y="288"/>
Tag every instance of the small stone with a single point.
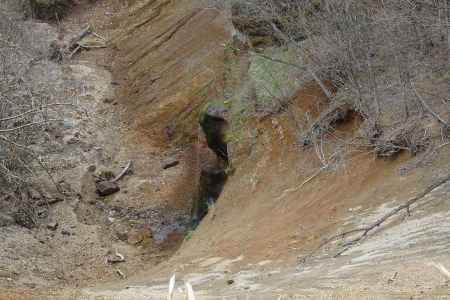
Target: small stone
<point x="170" y="163"/>
<point x="230" y="281"/>
<point x="108" y="100"/>
<point x="65" y="232"/>
<point x="92" y="168"/>
<point x="115" y="258"/>
<point x="42" y="213"/>
<point x="106" y="188"/>
<point x="52" y="226"/>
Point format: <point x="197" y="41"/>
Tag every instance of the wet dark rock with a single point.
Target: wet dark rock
<point x="106" y="188"/>
<point x="214" y="126"/>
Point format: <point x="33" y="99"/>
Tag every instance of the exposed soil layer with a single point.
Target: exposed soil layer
<point x="279" y="203"/>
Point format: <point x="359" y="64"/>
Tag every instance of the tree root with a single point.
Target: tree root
<point x="366" y="230"/>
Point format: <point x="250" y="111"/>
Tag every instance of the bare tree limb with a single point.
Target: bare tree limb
<point x="124" y="171"/>
<point x="365" y="231"/>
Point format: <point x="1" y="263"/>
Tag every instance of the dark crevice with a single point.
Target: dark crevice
<point x="212" y="176"/>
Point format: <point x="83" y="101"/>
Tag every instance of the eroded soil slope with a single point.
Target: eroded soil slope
<point x="261" y="239"/>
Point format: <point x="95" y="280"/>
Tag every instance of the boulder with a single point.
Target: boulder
<point x="106" y="188"/>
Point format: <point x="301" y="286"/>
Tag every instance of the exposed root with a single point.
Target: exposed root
<point x="366" y="230"/>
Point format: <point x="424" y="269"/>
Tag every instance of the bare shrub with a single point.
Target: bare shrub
<point x="28" y="106"/>
<point x="372" y="55"/>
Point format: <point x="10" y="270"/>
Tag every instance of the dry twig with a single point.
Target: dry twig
<point x="366" y="230"/>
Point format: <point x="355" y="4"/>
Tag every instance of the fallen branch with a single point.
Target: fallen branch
<point x="124" y="171"/>
<point x="85" y="32"/>
<point x="74" y="51"/>
<point x="428" y="108"/>
<point x="29" y="125"/>
<point x="364" y="231"/>
<point x="76" y="45"/>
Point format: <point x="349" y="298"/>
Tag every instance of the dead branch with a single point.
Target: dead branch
<point x="366" y="230"/>
<point x="28" y="125"/>
<point x="428" y="108"/>
<point x="35" y="111"/>
<point x="36" y="158"/>
<point x="85" y="32"/>
<point x="124" y="171"/>
<point x="326" y="121"/>
<point x="77" y="48"/>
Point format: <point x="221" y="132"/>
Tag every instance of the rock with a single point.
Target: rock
<point x="108" y="100"/>
<point x="230" y="281"/>
<point x="106" y="188"/>
<point x="6" y="220"/>
<point x="170" y="163"/>
<point x="42" y="213"/>
<point x="115" y="258"/>
<point x="92" y="168"/>
<point x="52" y="226"/>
